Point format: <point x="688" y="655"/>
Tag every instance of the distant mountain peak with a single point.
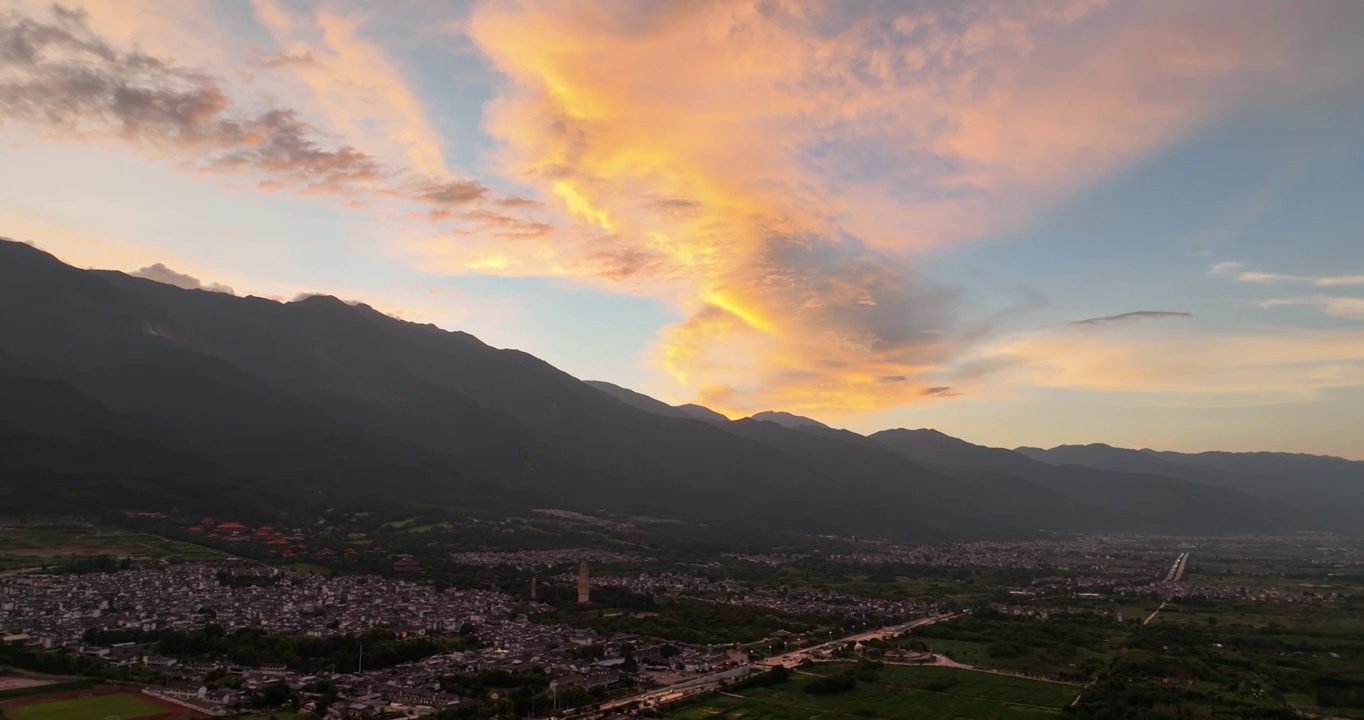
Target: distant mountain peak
<point x="786" y="419"/>
<point x="640" y="401"/>
<point x="636" y="400"/>
<point x="924" y="436"/>
<point x="320" y="300"/>
<point x="701" y="412"/>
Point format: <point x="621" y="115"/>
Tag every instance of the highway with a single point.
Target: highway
<point x="712" y="682"/>
<point x="1177" y="570"/>
<point x="681" y="690"/>
<point x="1175" y="574"/>
<point x="795" y="657"/>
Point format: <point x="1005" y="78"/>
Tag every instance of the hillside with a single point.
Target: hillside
<point x="1139" y="500"/>
<point x="318" y="401"/>
<point x="1331" y="489"/>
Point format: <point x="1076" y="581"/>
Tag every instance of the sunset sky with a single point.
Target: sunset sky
<point x="1021" y="223"/>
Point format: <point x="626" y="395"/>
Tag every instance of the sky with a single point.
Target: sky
<point x="1069" y="221"/>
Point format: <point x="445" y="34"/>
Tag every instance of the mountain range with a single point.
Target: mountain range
<point x="118" y="392"/>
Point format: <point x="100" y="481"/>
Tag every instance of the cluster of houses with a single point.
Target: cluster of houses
<point x="280" y="543"/>
<point x="55" y="612"/>
<point x="545" y="558"/>
<point x="794" y="600"/>
<point x="187" y="596"/>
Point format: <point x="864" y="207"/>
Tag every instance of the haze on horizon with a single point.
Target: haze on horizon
<point x="1137" y="223"/>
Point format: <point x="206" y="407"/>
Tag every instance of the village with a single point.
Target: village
<point x="65" y="612"/>
<point x="309" y="628"/>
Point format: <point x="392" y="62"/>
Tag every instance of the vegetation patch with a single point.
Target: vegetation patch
<point x="898" y="693"/>
<point x="124" y="706"/>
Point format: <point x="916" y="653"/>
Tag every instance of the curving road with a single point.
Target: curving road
<point x="712" y="682"/>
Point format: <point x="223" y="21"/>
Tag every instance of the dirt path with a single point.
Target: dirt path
<point x="944" y="661"/>
<point x="1155" y="612"/>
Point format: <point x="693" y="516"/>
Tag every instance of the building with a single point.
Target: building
<point x="584" y="584"/>
<point x="588" y="681"/>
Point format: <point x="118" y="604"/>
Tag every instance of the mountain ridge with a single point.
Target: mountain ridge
<point x="439" y="417"/>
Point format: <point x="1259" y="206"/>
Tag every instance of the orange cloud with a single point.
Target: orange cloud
<point x="767" y="166"/>
<point x="355" y="86"/>
<point x="1185" y="369"/>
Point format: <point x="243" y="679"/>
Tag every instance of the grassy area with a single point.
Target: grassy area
<point x="123" y="706"/>
<point x="311" y="568"/>
<point x="900" y="693"/>
<point x="1070" y="647"/>
<point x="1231" y="659"/>
<point x="38" y="543"/>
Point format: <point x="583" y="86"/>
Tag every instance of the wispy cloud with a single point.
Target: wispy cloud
<point x="355" y="84"/>
<point x="1185" y="369"/>
<point x="1238" y="272"/>
<point x="162" y="274"/>
<point x="1346" y="307"/>
<point x="1131" y="317"/>
<point x="286" y="59"/>
<point x="63" y="78"/>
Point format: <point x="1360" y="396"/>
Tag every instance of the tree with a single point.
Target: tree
<point x="274" y="695"/>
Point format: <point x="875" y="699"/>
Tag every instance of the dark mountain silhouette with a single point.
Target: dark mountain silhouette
<point x="639" y="401"/>
<point x="317" y="401"/>
<point x="701" y="412"/>
<point x="1103" y="457"/>
<point x="786" y="419"/>
<point x="1135" y="499"/>
<point x="331" y="392"/>
<point x="1329" y="487"/>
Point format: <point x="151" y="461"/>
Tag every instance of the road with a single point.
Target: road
<point x="1175" y="574"/>
<point x="680" y="690"/>
<point x="1177" y="570"/>
<point x="795" y="657"/>
<point x="944" y="661"/>
<point x="1155" y="612"/>
<point x="711" y="682"/>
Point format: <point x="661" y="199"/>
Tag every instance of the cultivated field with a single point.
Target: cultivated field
<point x="9" y="682"/>
<point x="37" y="543"/>
<point x="98" y="704"/>
<point x="901" y="693"/>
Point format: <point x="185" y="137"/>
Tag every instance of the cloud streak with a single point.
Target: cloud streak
<point x="1132" y="317"/>
<point x="1345" y="307"/>
<point x="355" y="85"/>
<point x="61" y="77"/>
<point x="1237" y="271"/>
<point x="1185" y="369"/>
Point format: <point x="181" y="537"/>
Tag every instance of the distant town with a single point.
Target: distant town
<point x="583" y="631"/>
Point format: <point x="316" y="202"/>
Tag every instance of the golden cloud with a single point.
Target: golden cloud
<point x="767" y="166"/>
<point x="1269" y="366"/>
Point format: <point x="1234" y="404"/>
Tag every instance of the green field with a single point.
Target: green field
<point x="901" y="693"/>
<point x="96" y="707"/>
<point x="1071" y="647"/>
<point x="52" y="543"/>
